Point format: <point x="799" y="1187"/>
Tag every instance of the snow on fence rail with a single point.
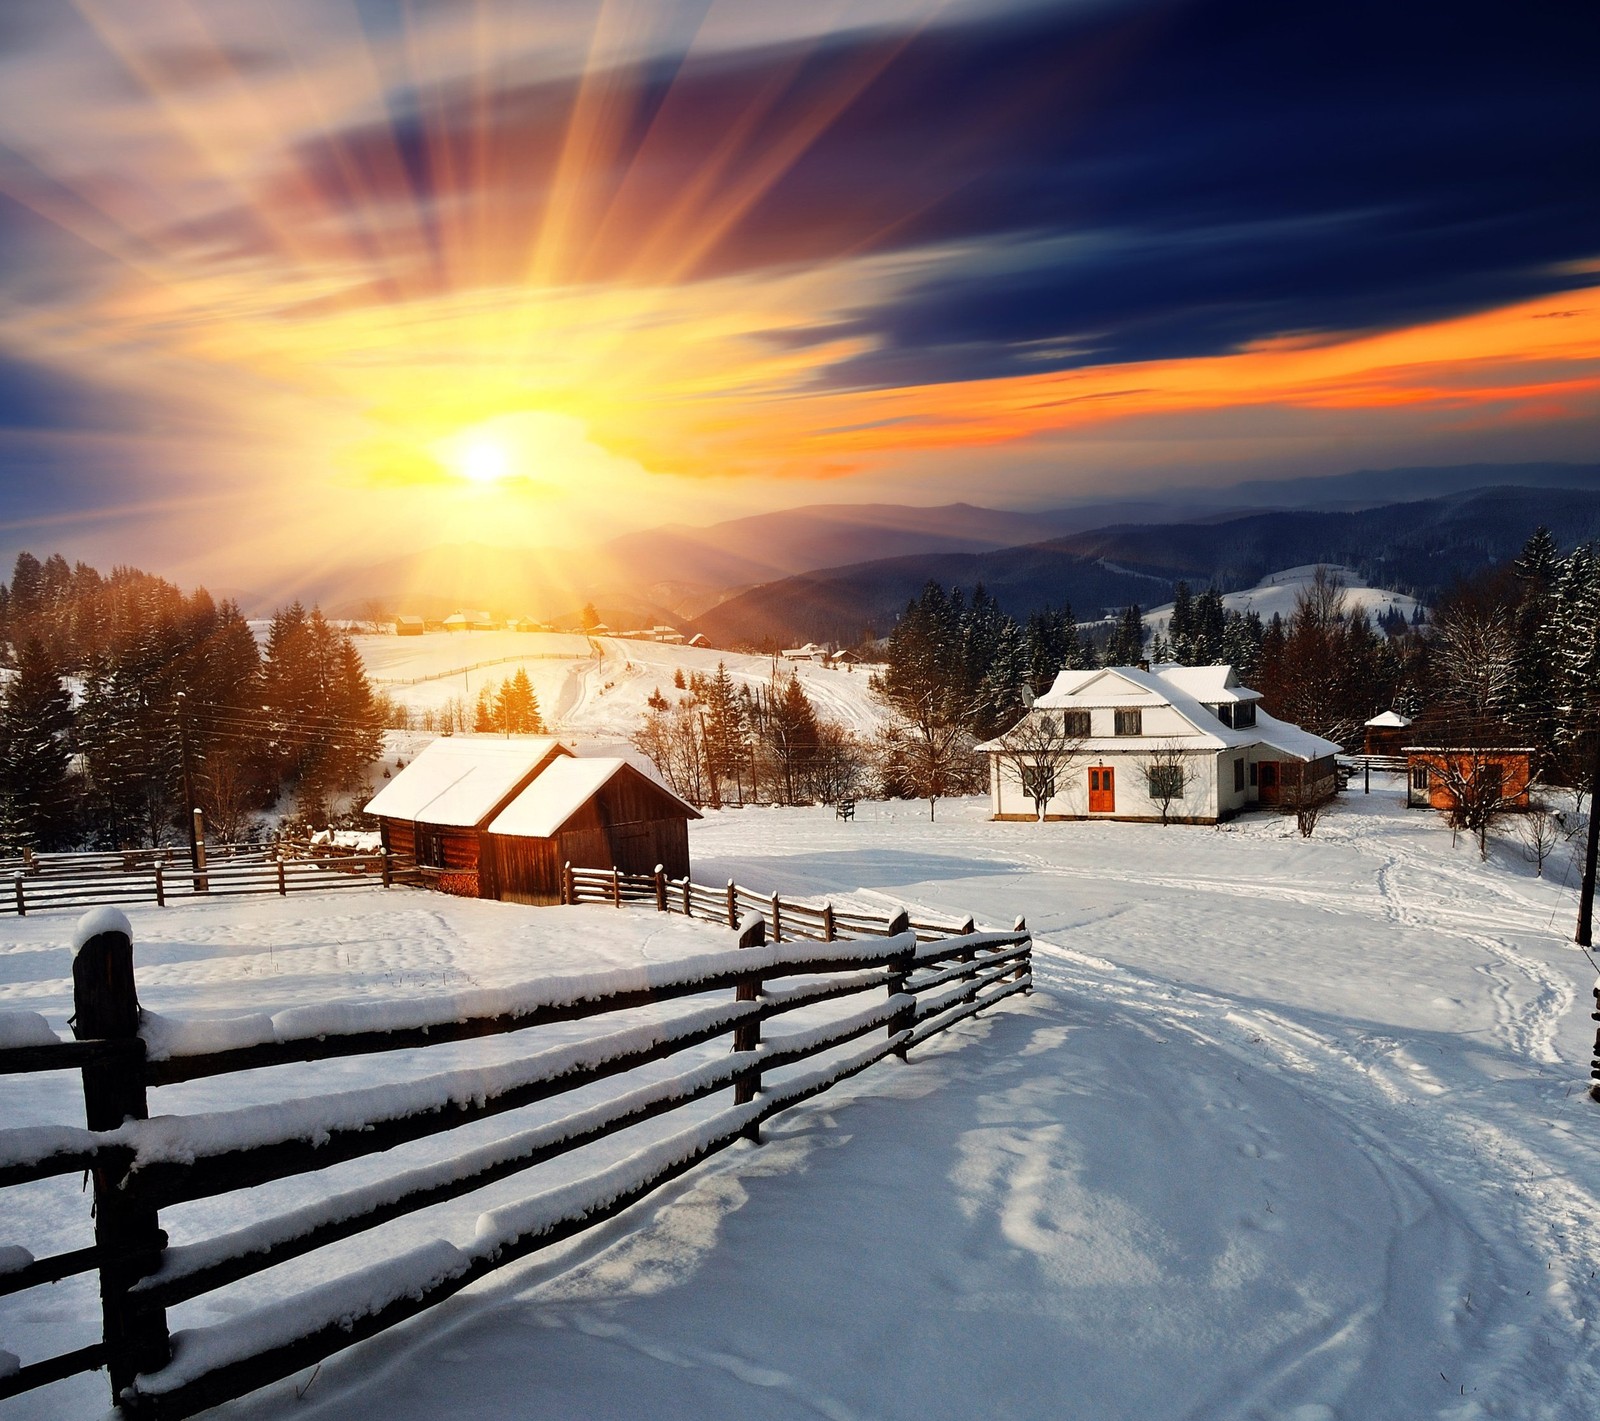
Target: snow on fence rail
<point x="786" y="919"/>
<point x="145" y="876"/>
<point x="142" y="1165"/>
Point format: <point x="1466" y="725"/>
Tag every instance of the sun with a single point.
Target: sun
<point x="482" y="461"/>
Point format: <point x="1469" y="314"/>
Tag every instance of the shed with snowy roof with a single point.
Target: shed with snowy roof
<point x="437" y="809"/>
<point x="591" y="813"/>
<point x="1385" y="734"/>
<point x="1181" y="743"/>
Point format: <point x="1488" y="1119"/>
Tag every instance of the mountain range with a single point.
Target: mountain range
<point x="830" y="571"/>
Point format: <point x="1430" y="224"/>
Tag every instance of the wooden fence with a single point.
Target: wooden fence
<point x="786" y="919"/>
<point x="914" y="989"/>
<point x="159" y="876"/>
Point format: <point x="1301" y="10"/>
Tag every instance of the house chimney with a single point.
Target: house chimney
<point x="1144" y="665"/>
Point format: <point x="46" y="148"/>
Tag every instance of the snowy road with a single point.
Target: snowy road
<point x="1288" y="1130"/>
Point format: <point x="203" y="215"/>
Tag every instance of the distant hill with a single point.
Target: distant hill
<point x="1418" y="548"/>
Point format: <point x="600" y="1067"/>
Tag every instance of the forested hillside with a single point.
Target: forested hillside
<point x="121" y="684"/>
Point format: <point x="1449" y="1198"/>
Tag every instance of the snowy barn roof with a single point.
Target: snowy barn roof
<point x="1389" y="720"/>
<point x="460" y="780"/>
<point x="561" y="790"/>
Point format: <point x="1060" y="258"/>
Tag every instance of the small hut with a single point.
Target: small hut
<point x="1386" y="734"/>
<point x="407" y="625"/>
<point x="600" y="813"/>
<point x="436" y="809"/>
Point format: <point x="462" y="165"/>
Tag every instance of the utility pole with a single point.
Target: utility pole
<point x="188" y="786"/>
<point x="1584" y="937"/>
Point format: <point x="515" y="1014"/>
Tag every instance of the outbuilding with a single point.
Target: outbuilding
<point x="591" y="813"/>
<point x="437" y="809"/>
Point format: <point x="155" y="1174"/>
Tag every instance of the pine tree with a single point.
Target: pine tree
<point x="35" y="719"/>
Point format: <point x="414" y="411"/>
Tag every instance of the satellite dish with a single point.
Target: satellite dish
<point x="1027" y="698"/>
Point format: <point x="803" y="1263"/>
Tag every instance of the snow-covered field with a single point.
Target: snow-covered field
<point x="589" y="686"/>
<point x="1275" y="594"/>
<point x="1288" y="1129"/>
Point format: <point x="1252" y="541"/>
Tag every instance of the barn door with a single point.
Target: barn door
<point x="1102" y="790"/>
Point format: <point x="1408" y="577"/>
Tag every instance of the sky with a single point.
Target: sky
<point x="288" y="284"/>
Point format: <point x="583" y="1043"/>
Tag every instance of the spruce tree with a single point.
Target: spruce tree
<point x="35" y="720"/>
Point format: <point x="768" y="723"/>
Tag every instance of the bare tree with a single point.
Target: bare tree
<point x="1475" y="791"/>
<point x="1540" y="829"/>
<point x="1167" y="770"/>
<point x="1475" y="653"/>
<point x="1040" y="748"/>
<point x="1306" y="797"/>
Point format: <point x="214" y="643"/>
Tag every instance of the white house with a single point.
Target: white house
<point x="1191" y="736"/>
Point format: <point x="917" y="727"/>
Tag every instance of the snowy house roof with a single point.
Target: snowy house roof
<point x="1189" y="691"/>
<point x="561" y="790"/>
<point x="458" y="781"/>
<point x="1389" y="720"/>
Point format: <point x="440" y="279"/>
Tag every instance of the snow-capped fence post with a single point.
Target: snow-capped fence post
<point x="202" y="884"/>
<point x="747" y="1035"/>
<point x="568" y="891"/>
<point x="828" y="934"/>
<point x="283" y="880"/>
<point x="900" y="966"/>
<point x="127" y="1230"/>
<point x="161" y="888"/>
<point x="733" y="908"/>
<point x="661" y="888"/>
<point x="777" y="920"/>
<point x="688" y="902"/>
<point x="1024" y="967"/>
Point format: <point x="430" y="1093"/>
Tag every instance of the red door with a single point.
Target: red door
<point x="1102" y="790"/>
<point x="1268" y="780"/>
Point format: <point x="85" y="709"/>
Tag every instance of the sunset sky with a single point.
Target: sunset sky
<point x="289" y="282"/>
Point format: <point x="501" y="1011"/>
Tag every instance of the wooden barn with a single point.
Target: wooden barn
<point x="599" y="813"/>
<point x="438" y="807"/>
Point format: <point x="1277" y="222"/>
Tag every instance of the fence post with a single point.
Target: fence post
<point x="22" y="907"/>
<point x="568" y="891"/>
<point x="733" y="911"/>
<point x="747" y="1035"/>
<point x="661" y="888"/>
<point x="161" y="888"/>
<point x="900" y="967"/>
<point x="202" y="884"/>
<point x="616" y="887"/>
<point x="127" y="1230"/>
<point x="967" y="954"/>
<point x="777" y="921"/>
<point x="283" y="881"/>
<point x="1025" y="967"/>
<point x="827" y="922"/>
<point x="688" y="901"/>
<point x="388" y="874"/>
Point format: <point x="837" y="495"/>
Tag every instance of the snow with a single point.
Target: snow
<point x="458" y="780"/>
<point x="97" y="921"/>
<point x="1287" y="1128"/>
<point x="1275" y="594"/>
<point x="558" y="793"/>
<point x="25" y="1028"/>
<point x="592" y="687"/>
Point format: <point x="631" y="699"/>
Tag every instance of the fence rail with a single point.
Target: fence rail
<point x="787" y="920"/>
<point x="905" y="989"/>
<point x="63" y="881"/>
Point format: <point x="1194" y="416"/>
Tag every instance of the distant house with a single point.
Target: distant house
<point x="471" y="620"/>
<point x="846" y="659"/>
<point x="1191" y="735"/>
<point x="523" y="624"/>
<point x="408" y="626"/>
<point x="1450" y="757"/>
<point x="437" y="808"/>
<point x="591" y="813"/>
<point x="699" y="639"/>
<point x="671" y="636"/>
<point x="809" y="652"/>
<point x="1386" y="734"/>
<point x="635" y="634"/>
<point x="598" y="629"/>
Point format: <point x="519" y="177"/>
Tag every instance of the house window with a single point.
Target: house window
<point x="1075" y="724"/>
<point x="1252" y="776"/>
<point x="1238" y="776"/>
<point x="1166" y="782"/>
<point x="1129" y="722"/>
<point x="1488" y="782"/>
<point x="430" y="847"/>
<point x="1244" y="715"/>
<point x="1419" y="777"/>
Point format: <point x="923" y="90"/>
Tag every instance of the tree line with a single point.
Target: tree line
<point x="118" y="686"/>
